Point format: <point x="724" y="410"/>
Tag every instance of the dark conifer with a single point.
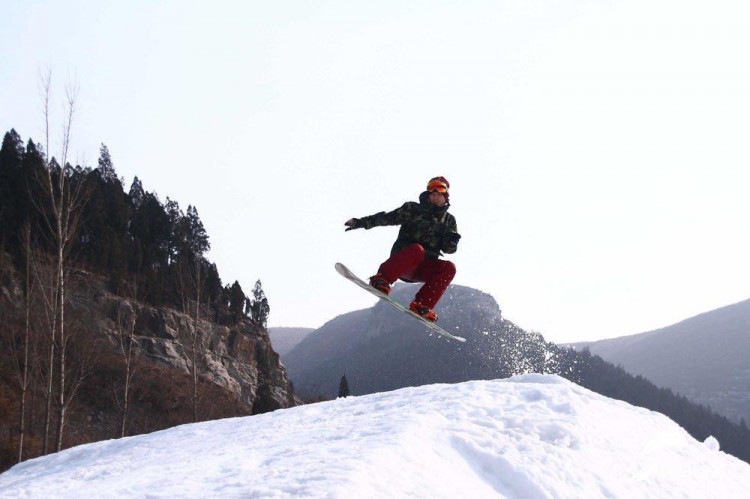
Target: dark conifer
<point x="196" y="237"/>
<point x="136" y="193"/>
<point x="13" y="196"/>
<point x="344" y="387"/>
<point x="236" y="302"/>
<point x="212" y="283"/>
<point x="104" y="230"/>
<point x="259" y="308"/>
<point x="177" y="236"/>
<point x="105" y="167"/>
<point x="150" y="234"/>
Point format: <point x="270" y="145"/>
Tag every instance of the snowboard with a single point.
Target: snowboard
<point x="341" y="269"/>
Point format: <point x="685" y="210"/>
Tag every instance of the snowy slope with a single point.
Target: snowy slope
<point x="531" y="436"/>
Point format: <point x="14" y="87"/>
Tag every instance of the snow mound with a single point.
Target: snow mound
<point x="531" y="436"/>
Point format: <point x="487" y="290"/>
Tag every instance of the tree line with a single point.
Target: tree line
<point x="132" y="237"/>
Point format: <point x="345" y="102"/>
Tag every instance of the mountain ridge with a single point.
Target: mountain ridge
<point x="705" y="357"/>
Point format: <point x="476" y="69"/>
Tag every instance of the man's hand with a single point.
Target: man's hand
<point x="450" y="242"/>
<point x="452" y="238"/>
<point x="352" y="223"/>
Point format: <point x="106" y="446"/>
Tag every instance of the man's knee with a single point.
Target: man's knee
<point x="448" y="268"/>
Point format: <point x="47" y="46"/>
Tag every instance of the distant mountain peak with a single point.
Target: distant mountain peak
<point x="705" y="357"/>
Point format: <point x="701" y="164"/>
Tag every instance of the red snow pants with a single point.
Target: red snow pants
<point x="411" y="265"/>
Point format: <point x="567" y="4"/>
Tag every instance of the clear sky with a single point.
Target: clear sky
<point x="598" y="151"/>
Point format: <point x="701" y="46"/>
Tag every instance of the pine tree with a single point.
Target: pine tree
<point x="213" y="287"/>
<point x="136" y="193"/>
<point x="105" y="167"/>
<point x="104" y="231"/>
<point x="13" y="195"/>
<point x="176" y="239"/>
<point x="344" y="387"/>
<point x="151" y="232"/>
<point x="259" y="308"/>
<point x="196" y="235"/>
<point x="236" y="302"/>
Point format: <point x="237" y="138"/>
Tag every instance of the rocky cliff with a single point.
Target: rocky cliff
<point x="237" y="358"/>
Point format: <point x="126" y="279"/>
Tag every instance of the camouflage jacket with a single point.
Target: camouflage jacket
<point x="421" y="223"/>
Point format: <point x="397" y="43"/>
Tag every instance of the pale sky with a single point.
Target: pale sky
<point x="598" y="151"/>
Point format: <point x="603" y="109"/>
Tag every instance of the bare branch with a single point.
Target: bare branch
<point x="46" y="96"/>
<point x="71" y="95"/>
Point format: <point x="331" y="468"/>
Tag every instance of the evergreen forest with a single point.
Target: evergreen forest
<point x="145" y="246"/>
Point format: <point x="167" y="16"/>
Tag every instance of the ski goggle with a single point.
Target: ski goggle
<point x="437" y="185"/>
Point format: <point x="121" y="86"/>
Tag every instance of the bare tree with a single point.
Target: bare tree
<point x="60" y="212"/>
<point x="125" y="328"/>
<point x="47" y="286"/>
<point x="82" y="347"/>
<point x="196" y="336"/>
<point x="22" y="364"/>
<point x="195" y="280"/>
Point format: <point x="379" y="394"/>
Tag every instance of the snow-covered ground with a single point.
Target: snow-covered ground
<point x="530" y="436"/>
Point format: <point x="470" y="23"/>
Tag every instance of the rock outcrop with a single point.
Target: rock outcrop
<point x="238" y="358"/>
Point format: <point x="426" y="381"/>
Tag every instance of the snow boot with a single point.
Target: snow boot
<point x="426" y="313"/>
<point x="379" y="282"/>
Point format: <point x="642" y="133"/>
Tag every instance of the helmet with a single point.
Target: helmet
<point x="439" y="184"/>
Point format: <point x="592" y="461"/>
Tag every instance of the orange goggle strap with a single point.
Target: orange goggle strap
<point x="437" y="185"/>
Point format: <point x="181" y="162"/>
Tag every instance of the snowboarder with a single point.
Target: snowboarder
<point x="427" y="231"/>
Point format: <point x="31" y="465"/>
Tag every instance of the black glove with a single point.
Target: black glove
<point x="452" y="238"/>
<point x="353" y="224"/>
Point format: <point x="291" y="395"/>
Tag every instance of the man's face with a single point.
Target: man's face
<point x="437" y="199"/>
